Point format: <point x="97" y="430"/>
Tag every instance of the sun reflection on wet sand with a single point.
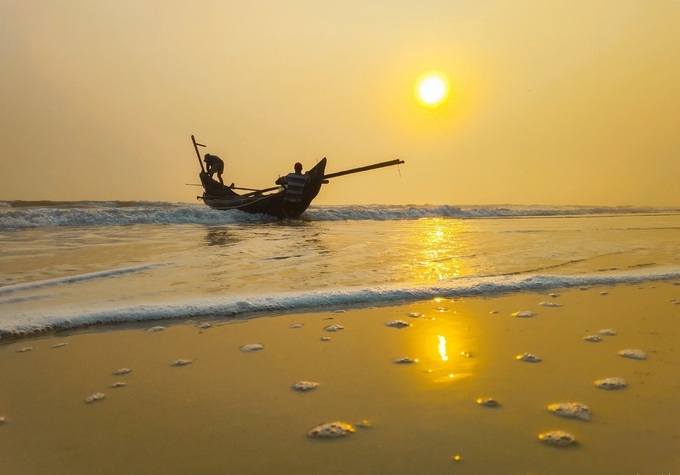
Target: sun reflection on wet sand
<point x="442" y="348"/>
<point x="442" y="340"/>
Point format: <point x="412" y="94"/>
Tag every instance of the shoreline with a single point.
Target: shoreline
<point x="234" y="411"/>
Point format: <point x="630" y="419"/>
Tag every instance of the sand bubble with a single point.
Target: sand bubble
<point x="305" y="385"/>
<point x="575" y="410"/>
<point x="331" y="430"/>
<point x="398" y="324"/>
<point x="252" y="347"/>
<point x="611" y="383"/>
<point x="633" y="354"/>
<point x="95" y="397"/>
<point x="528" y="357"/>
<point x="558" y="438"/>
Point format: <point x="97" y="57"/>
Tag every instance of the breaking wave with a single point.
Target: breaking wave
<point x="33" y="214"/>
<point x="328" y="299"/>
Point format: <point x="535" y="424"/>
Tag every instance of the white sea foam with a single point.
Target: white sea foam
<point x="244" y="305"/>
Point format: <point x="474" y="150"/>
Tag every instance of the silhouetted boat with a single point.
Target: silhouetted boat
<point x="270" y="200"/>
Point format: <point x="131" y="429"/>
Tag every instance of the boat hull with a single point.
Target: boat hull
<point x="221" y="197"/>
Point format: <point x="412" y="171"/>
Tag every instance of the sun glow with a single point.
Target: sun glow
<point x="432" y="89"/>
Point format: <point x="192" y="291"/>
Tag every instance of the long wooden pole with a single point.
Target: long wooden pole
<point x="341" y="173"/>
<point x="196" y="145"/>
<point x="363" y="169"/>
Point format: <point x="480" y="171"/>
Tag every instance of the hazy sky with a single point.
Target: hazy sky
<point x="552" y="102"/>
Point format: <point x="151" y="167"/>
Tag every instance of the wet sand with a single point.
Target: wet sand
<point x="234" y="411"/>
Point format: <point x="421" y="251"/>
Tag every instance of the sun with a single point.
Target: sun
<point x="432" y="89"/>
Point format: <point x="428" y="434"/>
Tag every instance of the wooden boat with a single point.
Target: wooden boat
<point x="269" y="200"/>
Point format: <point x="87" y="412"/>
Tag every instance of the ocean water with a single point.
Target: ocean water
<point x="74" y="264"/>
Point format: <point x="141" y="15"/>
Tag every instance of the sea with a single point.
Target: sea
<point x="72" y="265"/>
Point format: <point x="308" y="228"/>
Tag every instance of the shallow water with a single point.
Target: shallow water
<point x="174" y="266"/>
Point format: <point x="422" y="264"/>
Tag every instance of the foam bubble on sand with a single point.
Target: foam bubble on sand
<point x="528" y="357"/>
<point x="297" y="325"/>
<point x="633" y="354"/>
<point x="441" y="309"/>
<point x="575" y="410"/>
<point x="157" y="328"/>
<point x="398" y="324"/>
<point x="204" y="325"/>
<point x="405" y="360"/>
<point x="493" y="312"/>
<point x="524" y="314"/>
<point x="305" y="385"/>
<point x="592" y="338"/>
<point x="611" y="383"/>
<point x="550" y="304"/>
<point x="415" y="315"/>
<point x="339" y="311"/>
<point x="59" y="345"/>
<point x="331" y="430"/>
<point x="553" y="295"/>
<point x="181" y="362"/>
<point x="334" y="328"/>
<point x="2" y="420"/>
<point x="118" y="384"/>
<point x="252" y="347"/>
<point x="607" y="332"/>
<point x="121" y="371"/>
<point x="25" y="349"/>
<point x="325" y="338"/>
<point x="95" y="397"/>
<point x="604" y="293"/>
<point x="558" y="438"/>
<point x="487" y="402"/>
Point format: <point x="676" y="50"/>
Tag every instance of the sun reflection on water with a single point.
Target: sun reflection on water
<point x="440" y="250"/>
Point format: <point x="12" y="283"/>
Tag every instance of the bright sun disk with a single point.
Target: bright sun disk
<point x="432" y="89"/>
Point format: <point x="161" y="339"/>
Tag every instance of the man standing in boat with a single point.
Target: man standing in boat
<point x="214" y="164"/>
<point x="295" y="185"/>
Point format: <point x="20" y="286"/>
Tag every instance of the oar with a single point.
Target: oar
<point x="235" y="187"/>
<point x="389" y="163"/>
<point x="366" y="168"/>
<point x="257" y="192"/>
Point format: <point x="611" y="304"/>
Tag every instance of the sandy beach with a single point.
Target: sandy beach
<point x="233" y="411"/>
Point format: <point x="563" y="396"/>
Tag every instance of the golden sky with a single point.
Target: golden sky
<point x="552" y="102"/>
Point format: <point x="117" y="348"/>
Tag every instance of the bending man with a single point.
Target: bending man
<point x="214" y="164"/>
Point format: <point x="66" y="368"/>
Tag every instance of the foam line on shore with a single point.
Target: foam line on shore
<point x="8" y="289"/>
<point x="243" y="306"/>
